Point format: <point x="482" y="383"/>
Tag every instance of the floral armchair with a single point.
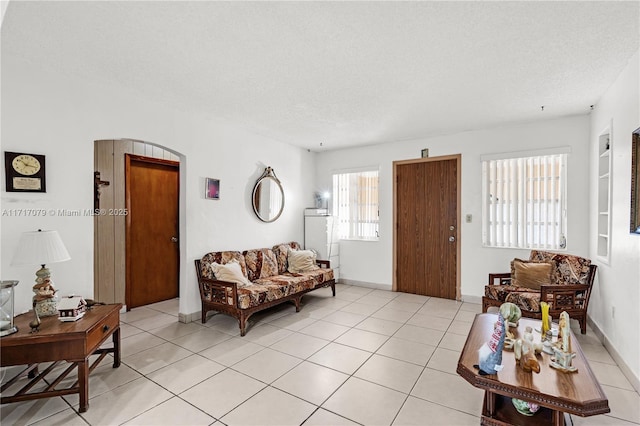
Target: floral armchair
<point x="563" y="281"/>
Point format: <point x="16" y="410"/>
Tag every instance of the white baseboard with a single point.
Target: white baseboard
<point x="187" y="318"/>
<point x="635" y="381"/>
<point x="472" y="299"/>
<point x="377" y="286"/>
<point x="366" y="284"/>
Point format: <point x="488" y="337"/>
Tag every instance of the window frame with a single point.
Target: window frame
<point x="525" y="182"/>
<point x="336" y="210"/>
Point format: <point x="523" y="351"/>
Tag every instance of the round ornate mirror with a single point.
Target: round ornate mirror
<point x="268" y="197"/>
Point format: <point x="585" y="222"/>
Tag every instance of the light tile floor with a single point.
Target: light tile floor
<point x="367" y="357"/>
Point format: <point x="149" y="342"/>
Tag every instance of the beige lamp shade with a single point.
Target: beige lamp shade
<point x="39" y="248"/>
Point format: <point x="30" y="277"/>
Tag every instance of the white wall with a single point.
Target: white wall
<point x="618" y="282"/>
<point x="60" y="117"/>
<point x="372" y="261"/>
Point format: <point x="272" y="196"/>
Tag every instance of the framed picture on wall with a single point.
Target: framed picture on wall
<point x="212" y="189"/>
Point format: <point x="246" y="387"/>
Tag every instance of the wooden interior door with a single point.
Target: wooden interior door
<point x="151" y="193"/>
<point x="426" y="226"/>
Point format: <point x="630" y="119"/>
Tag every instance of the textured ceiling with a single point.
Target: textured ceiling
<point x="340" y="73"/>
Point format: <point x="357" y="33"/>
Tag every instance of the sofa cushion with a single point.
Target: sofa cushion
<point x="570" y="269"/>
<point x="525" y="300"/>
<point x="231" y="272"/>
<point x="532" y="275"/>
<point x="281" y="252"/>
<point x="500" y="292"/>
<point x="275" y="287"/>
<point x="271" y="288"/>
<point x="261" y="263"/>
<point x="220" y="257"/>
<point x="301" y="261"/>
<point x="318" y="276"/>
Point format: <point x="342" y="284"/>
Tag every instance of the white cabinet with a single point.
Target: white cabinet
<point x="321" y="235"/>
<point x="604" y="195"/>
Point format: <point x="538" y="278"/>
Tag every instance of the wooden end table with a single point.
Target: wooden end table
<point x="56" y="342"/>
<point x="556" y="392"/>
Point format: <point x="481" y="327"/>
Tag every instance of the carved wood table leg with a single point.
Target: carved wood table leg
<point x="489" y="403"/>
<point x="557" y="418"/>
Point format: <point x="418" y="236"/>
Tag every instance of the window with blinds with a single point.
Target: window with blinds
<point x="524" y="200"/>
<point x="355" y="204"/>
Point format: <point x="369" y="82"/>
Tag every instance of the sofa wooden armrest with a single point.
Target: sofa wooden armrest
<point x="502" y="278"/>
<point x="224" y="292"/>
<point x="323" y="263"/>
<point x="216" y="295"/>
<point x="568" y="297"/>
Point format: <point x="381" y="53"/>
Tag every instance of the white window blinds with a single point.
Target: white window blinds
<point x="524" y="201"/>
<point x="355" y="204"/>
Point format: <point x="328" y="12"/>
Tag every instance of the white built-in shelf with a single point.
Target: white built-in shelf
<point x="604" y="194"/>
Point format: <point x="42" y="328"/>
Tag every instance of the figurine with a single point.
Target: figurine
<point x="564" y="333"/>
<point x="45" y="299"/>
<point x="524" y="351"/>
<point x="490" y="354"/>
<point x="528" y="335"/>
<point x="546" y="343"/>
<point x="43" y="290"/>
<point x="562" y="352"/>
<point x="35" y="323"/>
<point x="511" y="313"/>
<point x="525" y="407"/>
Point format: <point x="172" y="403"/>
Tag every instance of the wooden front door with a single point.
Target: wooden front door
<point x="426" y="226"/>
<point x="151" y="195"/>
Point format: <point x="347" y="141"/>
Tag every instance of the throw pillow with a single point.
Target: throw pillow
<point x="531" y="274"/>
<point x="301" y="261"/>
<point x="231" y="272"/>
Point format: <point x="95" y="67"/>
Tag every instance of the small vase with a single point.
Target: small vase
<point x="546" y="319"/>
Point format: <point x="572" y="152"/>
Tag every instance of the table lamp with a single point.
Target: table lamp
<point x="42" y="247"/>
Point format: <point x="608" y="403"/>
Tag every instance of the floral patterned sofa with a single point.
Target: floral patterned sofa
<point x="564" y="281"/>
<point x="268" y="281"/>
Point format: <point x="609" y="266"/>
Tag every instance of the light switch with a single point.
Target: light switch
<point x="468" y="218"/>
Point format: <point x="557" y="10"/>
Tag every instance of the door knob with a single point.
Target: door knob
<point x="452" y="239"/>
<point x="174" y="239"/>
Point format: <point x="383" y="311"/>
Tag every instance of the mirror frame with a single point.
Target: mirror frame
<point x="635" y="183"/>
<point x="268" y="174"/>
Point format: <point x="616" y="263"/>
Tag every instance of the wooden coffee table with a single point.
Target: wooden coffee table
<point x="556" y="392"/>
<point x="59" y="343"/>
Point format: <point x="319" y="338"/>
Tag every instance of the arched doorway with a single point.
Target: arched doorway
<point x="110" y="229"/>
